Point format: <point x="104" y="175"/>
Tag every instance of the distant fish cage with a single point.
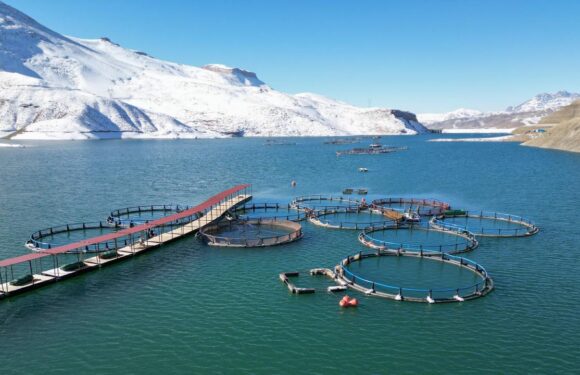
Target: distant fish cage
<point x="527" y="227"/>
<point x="370" y="151"/>
<point x="425" y="207"/>
<point x="318" y="218"/>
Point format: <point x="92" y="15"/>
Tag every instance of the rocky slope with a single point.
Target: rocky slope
<point x="54" y="86"/>
<point x="564" y="133"/>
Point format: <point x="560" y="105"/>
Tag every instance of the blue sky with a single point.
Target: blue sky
<point x="418" y="55"/>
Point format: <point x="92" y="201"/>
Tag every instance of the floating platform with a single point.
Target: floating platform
<point x="286" y="276"/>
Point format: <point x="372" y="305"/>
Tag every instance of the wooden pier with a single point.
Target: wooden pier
<point x="144" y="237"/>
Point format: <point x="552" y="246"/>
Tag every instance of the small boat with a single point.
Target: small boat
<point x="411" y="216"/>
<point x="362" y="191"/>
<point x="375" y="146"/>
<point x="363" y="169"/>
<point x="347" y="191"/>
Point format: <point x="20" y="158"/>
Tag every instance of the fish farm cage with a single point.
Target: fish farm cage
<point x="487" y="224"/>
<point x="44" y="239"/>
<point x="424" y="207"/>
<point x="270" y="211"/>
<point x="347" y="218"/>
<point x="131" y="216"/>
<point x="426" y="295"/>
<point x="465" y="241"/>
<point x="259" y="232"/>
<point x="322" y="202"/>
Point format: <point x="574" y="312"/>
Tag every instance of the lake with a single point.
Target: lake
<point x="191" y="308"/>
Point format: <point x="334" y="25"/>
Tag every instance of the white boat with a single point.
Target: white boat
<point x="363" y="169"/>
<point x="411" y="216"/>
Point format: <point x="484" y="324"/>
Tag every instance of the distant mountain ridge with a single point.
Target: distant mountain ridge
<point x="529" y="112"/>
<point x="58" y="87"/>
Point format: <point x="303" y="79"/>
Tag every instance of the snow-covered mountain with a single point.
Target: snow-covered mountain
<point x="545" y="102"/>
<point x="529" y="112"/>
<point x="430" y="118"/>
<point x="53" y="86"/>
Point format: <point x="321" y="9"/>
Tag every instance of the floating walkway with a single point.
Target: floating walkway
<point x="31" y="271"/>
<point x="285" y="277"/>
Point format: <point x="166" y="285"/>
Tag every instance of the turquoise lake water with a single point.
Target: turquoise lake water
<point x="191" y="308"/>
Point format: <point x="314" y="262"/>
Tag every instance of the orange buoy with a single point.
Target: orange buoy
<point x="346" y="301"/>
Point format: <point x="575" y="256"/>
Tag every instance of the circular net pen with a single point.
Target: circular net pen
<point x="46" y="239"/>
<point x="387" y="238"/>
<point x="251" y="233"/>
<point x="356" y="281"/>
<point x="275" y="211"/>
<point x="487" y="224"/>
<point x="346" y="218"/>
<point x="310" y="203"/>
<point x="424" y="207"/>
<point x="131" y="216"/>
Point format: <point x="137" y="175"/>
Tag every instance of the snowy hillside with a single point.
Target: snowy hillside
<point x="52" y="86"/>
<point x="529" y="112"/>
<point x="545" y="102"/>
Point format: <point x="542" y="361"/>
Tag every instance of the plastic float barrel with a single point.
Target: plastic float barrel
<point x="108" y="254"/>
<point x="22" y="280"/>
<point x="73" y="266"/>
